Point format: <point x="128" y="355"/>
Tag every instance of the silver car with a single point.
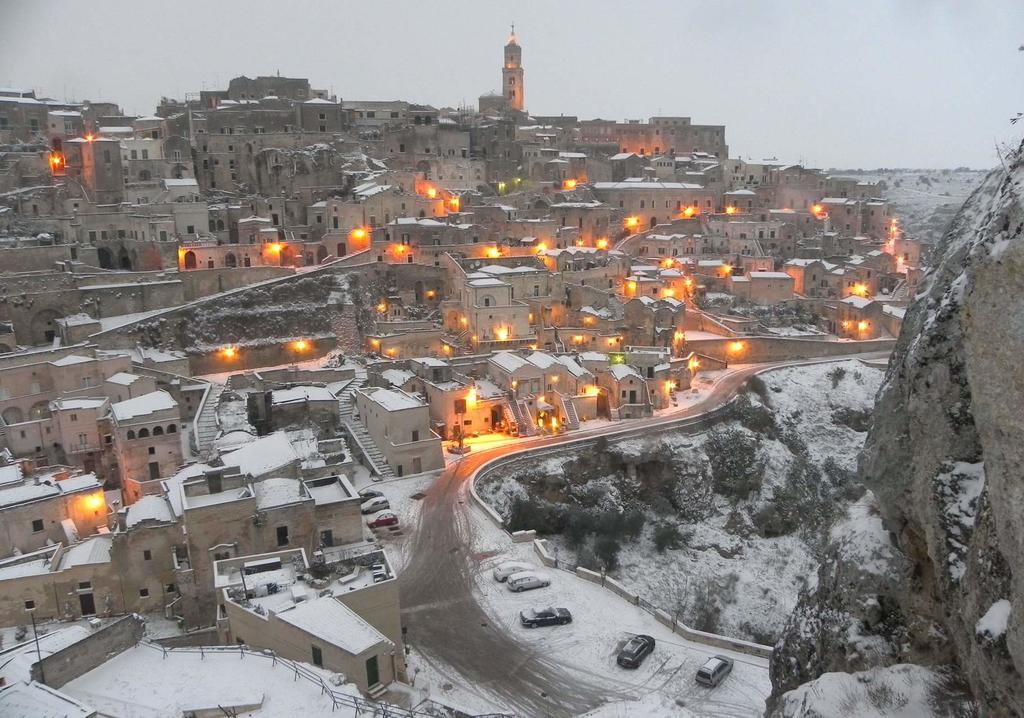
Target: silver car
<point x="714" y="671"/>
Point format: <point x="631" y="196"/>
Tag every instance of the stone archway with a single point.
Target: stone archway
<point x="13" y="415"/>
<point x="190" y="260"/>
<point x="230" y="260"/>
<point x="321" y="254"/>
<point x="104" y="258"/>
<point x="123" y="260"/>
<point x="44" y="325"/>
<point x="39" y="410"/>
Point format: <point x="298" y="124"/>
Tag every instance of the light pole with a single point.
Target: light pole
<point x="35" y="634"/>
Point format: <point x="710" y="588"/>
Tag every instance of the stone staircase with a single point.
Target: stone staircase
<point x="572" y="419"/>
<point x="366" y="445"/>
<point x="520" y="417"/>
<point x="206" y="427"/>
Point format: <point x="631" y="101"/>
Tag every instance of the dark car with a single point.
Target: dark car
<point x="635" y="651"/>
<point x="366" y="494"/>
<point x="714" y="671"/>
<point x="533" y="617"/>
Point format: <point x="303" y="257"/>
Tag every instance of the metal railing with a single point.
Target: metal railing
<point x="299" y="670"/>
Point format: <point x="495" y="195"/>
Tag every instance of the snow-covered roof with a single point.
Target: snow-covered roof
<point x="769" y="275"/>
<point x="594" y="356"/>
<point x="319" y="101"/>
<point x="271" y="493"/>
<point x="489" y="282"/>
<point x="262" y="456"/>
<point x="541" y="360"/>
<point x="71" y="360"/>
<point x="152" y="507"/>
<point x="301" y="394"/>
<point x="575" y="369"/>
<point x="61" y="404"/>
<point x="25" y="699"/>
<point x="397" y="377"/>
<point x="500" y="269"/>
<point x="92" y="550"/>
<point x="143" y="405"/>
<point x="333" y="622"/>
<point x="392" y="399"/>
<point x="894" y="311"/>
<point x="621" y="371"/>
<point x="858" y="302"/>
<point x="639" y="183"/>
<point x="508" y="361"/>
<point x="123" y="378"/>
<point x="184" y="182"/>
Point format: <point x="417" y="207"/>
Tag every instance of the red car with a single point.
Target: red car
<point x="382" y="519"/>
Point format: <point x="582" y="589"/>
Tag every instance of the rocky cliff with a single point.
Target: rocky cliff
<point x="929" y="568"/>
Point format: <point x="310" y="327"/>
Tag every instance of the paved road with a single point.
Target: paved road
<point x="445" y="620"/>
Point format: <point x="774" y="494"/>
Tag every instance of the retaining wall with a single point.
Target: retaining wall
<point x="81" y="657"/>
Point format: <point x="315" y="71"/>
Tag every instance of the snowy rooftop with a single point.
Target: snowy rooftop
<point x="143" y="405"/>
<point x="621" y="371"/>
<point x="298" y="394"/>
<point x="490" y="282"/>
<point x="333" y="622"/>
<point x="71" y="360"/>
<point x="92" y="550"/>
<point x="12" y="493"/>
<point x="858" y="302"/>
<point x="61" y="404"/>
<point x="263" y="455"/>
<point x="638" y="183"/>
<point x="392" y="399"/>
<point x="35" y="700"/>
<point x="271" y="493"/>
<point x="149" y="508"/>
<point x="769" y="275"/>
<point x="508" y="361"/>
<point x="330" y="489"/>
<point x="123" y="378"/>
<point x="397" y="377"/>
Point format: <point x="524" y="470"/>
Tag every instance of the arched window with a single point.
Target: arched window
<point x="220" y="225"/>
<point x="172" y="429"/>
<point x="230" y="260"/>
<point x="131" y="434"/>
<point x="190" y="260"/>
<point x="158" y="431"/>
<point x="143" y="433"/>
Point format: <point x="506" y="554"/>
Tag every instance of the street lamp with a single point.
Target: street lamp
<point x="35" y="634"/>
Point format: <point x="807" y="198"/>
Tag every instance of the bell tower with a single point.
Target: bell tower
<point x="512" y="74"/>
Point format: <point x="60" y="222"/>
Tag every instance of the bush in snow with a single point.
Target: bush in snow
<point x="756" y="417"/>
<point x="856" y="419"/>
<point x="667" y="536"/>
<point x="606" y="548"/>
<point x="836" y="375"/>
<point x="737" y="464"/>
<point x="527" y="514"/>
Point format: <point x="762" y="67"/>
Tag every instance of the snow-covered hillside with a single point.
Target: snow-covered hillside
<point x="722" y="557"/>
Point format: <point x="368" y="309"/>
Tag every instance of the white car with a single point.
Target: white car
<point x="372" y="506"/>
<point x="503" y="570"/>
<point x="527" y="580"/>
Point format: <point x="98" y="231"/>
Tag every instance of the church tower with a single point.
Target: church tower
<point x="512" y="74"/>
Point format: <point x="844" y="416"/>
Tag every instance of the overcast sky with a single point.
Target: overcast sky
<point x="861" y="83"/>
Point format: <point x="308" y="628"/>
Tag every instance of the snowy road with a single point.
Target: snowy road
<point x="448" y="621"/>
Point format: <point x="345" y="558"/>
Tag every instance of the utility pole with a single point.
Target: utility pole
<point x="39" y="654"/>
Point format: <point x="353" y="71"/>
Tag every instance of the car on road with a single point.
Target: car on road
<point x="368" y="493"/>
<point x="372" y="506"/>
<point x="714" y="671"/>
<point x="534" y="617"/>
<point x="527" y="580"/>
<point x="503" y="570"/>
<point x="382" y="519"/>
<point x="635" y="651"/>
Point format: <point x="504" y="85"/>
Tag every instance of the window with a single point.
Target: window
<point x="282" y="535"/>
<point x="415" y="435"/>
<point x="152" y="450"/>
<point x="143" y="592"/>
<point x="147" y="555"/>
<point x="85" y="585"/>
<point x="318" y="656"/>
<point x="29" y="605"/>
<point x="37" y="525"/>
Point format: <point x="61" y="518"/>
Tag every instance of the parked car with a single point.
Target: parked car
<point x="377" y="503"/>
<point x="527" y="580"/>
<point x="635" y="651"/>
<point x="503" y="570"/>
<point x="714" y="671"/>
<point x="534" y="617"/>
<point x="380" y="571"/>
<point x="382" y="519"/>
<point x="368" y="493"/>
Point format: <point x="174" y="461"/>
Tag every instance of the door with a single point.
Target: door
<point x="154" y="470"/>
<point x="327" y="537"/>
<point x="417" y="465"/>
<point x="372" y="671"/>
<point x="87" y="604"/>
<point x="632" y="396"/>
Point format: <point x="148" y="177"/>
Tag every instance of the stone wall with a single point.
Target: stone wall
<point x="82" y="656"/>
<point x="766" y="349"/>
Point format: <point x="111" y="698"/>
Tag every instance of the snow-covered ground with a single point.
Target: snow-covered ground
<point x="602" y="623"/>
<point x="753" y="579"/>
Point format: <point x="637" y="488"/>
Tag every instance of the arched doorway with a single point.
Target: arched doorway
<point x="342" y="249"/>
<point x="123" y="260"/>
<point x="44" y="325"/>
<point x="39" y="410"/>
<point x="321" y="254"/>
<point x="105" y="259"/>
<point x="13" y="415"/>
<point x="230" y="260"/>
<point x="190" y="260"/>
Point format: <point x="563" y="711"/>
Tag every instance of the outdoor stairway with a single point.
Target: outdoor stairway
<point x="206" y="422"/>
<point x="521" y="417"/>
<point x="572" y="419"/>
<point x="346" y="407"/>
